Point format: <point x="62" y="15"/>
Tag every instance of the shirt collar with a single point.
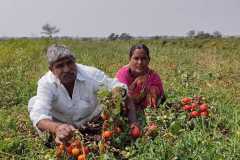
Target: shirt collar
<point x="80" y="74"/>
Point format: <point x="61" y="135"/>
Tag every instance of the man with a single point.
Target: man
<point x="66" y="95"/>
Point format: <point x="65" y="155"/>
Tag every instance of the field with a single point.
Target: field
<point x="188" y="67"/>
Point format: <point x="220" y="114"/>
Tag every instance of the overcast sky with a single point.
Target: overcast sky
<point x="99" y="18"/>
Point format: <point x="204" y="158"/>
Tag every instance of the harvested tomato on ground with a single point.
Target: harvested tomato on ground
<point x="194" y="106"/>
<point x="197" y="107"/>
<point x="194" y="114"/>
<point x="186" y="100"/>
<point x="204" y="113"/>
<point x="187" y="107"/>
<point x="203" y="107"/>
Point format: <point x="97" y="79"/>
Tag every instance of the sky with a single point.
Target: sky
<point x="99" y="18"/>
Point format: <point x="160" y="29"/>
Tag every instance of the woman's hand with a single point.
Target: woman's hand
<point x="63" y="133"/>
<point x="152" y="96"/>
<point x="140" y="80"/>
<point x="137" y="89"/>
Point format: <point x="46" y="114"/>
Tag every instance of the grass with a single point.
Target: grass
<point x="188" y="67"/>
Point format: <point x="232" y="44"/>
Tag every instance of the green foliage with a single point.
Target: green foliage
<point x="188" y="67"/>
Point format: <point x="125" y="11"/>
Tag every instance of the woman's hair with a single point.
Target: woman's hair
<point x="139" y="46"/>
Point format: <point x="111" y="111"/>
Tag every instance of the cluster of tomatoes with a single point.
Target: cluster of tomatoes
<point x="107" y="133"/>
<point x="195" y="106"/>
<point x="75" y="150"/>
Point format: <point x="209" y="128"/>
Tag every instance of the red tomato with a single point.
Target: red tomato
<point x="203" y="107"/>
<point x="194" y="106"/>
<point x="186" y="100"/>
<point x="194" y="114"/>
<point x="75" y="152"/>
<point x="81" y="157"/>
<point x="107" y="134"/>
<point x="204" y="113"/>
<point x="187" y="108"/>
<point x="135" y="132"/>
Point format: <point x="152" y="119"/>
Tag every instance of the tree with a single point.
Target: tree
<point x="49" y="30"/>
<point x="202" y="34"/>
<point x="113" y="36"/>
<point x="217" y="34"/>
<point x="125" y="36"/>
<point x="191" y="33"/>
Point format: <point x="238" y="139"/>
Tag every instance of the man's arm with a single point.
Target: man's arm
<point x="41" y="116"/>
<point x="48" y="125"/>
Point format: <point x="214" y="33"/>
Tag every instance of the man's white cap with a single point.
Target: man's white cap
<point x="56" y="52"/>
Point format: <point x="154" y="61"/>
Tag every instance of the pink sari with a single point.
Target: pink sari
<point x="141" y="90"/>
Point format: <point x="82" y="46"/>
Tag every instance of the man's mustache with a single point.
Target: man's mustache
<point x="68" y="75"/>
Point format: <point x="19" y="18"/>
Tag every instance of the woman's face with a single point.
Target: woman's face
<point x="139" y="61"/>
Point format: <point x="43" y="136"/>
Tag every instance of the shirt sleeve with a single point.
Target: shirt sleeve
<point x="41" y="108"/>
<point x="101" y="79"/>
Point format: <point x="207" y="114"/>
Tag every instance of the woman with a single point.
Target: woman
<point x="144" y="84"/>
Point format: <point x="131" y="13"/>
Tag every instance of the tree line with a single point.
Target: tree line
<point x="50" y="30"/>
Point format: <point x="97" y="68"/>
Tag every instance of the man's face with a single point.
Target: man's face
<point x="65" y="70"/>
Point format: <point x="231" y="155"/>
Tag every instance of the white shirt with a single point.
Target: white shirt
<point x="53" y="101"/>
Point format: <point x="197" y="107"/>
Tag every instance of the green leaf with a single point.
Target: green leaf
<point x="175" y="127"/>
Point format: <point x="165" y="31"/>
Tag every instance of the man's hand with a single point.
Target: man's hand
<point x="119" y="93"/>
<point x="63" y="133"/>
